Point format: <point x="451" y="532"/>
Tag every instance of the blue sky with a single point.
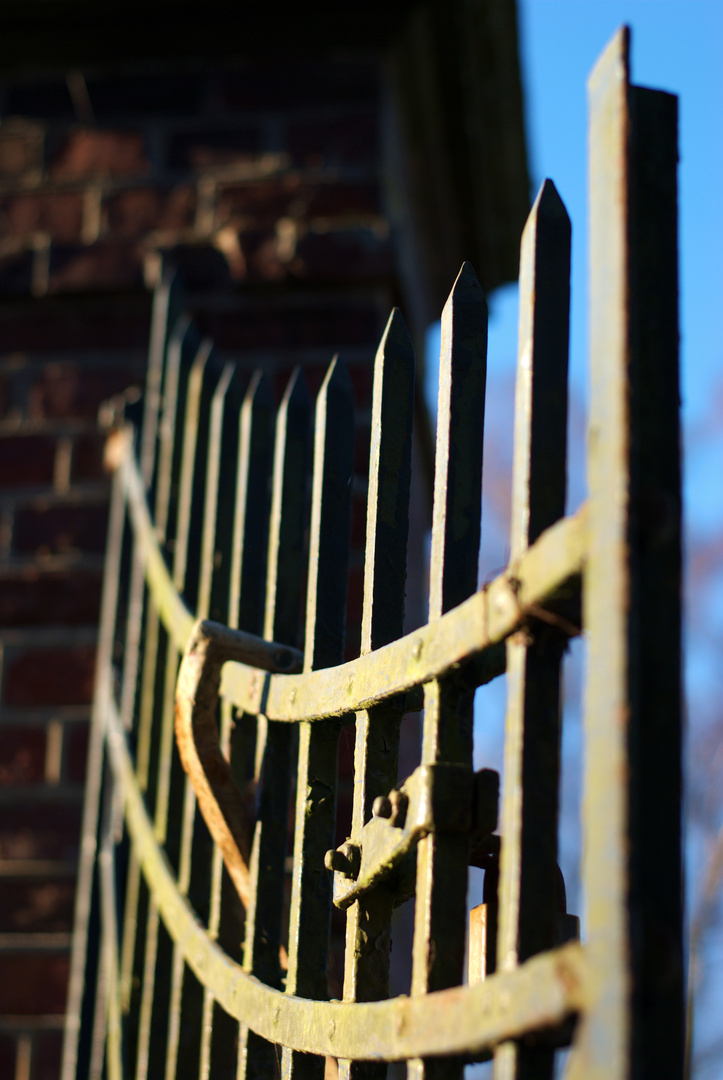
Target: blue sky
<point x="677" y="45"/>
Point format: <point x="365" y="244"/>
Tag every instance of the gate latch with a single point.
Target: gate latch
<point x="441" y="798"/>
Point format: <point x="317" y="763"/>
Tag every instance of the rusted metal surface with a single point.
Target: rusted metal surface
<point x="528" y="861"/>
<point x="631" y="811"/>
<point x="196" y="976"/>
<point x="197" y="735"/>
<point x="535" y="996"/>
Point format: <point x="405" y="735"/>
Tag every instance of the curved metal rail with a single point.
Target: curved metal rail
<point x="470" y="630"/>
<point x="538" y="994"/>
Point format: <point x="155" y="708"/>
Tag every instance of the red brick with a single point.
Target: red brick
<point x="33" y="984"/>
<point x="22" y="755"/>
<point x="78" y="268"/>
<point x="295" y="328"/>
<point x="43" y="528"/>
<point x="63" y="324"/>
<point x="20" y="150"/>
<point x="30" y="905"/>
<point x="202" y="266"/>
<point x="51" y="676"/>
<point x="26" y="460"/>
<point x="47" y="1053"/>
<point x="260" y="257"/>
<point x="7" y="1056"/>
<point x="207" y="146"/>
<point x="75" y="752"/>
<point x="87" y="461"/>
<point x="40" y="597"/>
<point x="288" y="196"/>
<point x="16" y="273"/>
<point x="342" y="140"/>
<point x="136" y="211"/>
<point x="87" y="153"/>
<point x="59" y="214"/>
<point x="70" y="391"/>
<point x="42" y="830"/>
<point x="357" y="254"/>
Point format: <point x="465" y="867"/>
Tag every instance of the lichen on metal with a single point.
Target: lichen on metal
<point x="217" y="580"/>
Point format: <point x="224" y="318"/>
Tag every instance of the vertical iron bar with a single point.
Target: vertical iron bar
<point x="241" y="542"/>
<point x="154" y="1006"/>
<point x="257" y="1058"/>
<point x="376" y="749"/>
<point x="71" y="1067"/>
<point x="631" y="813"/>
<point x="440" y="918"/>
<point x="310" y="916"/>
<point x="528" y="866"/>
<point x="182" y="350"/>
<point x="167" y="303"/>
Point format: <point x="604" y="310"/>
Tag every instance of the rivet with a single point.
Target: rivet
<point x="417" y="649"/>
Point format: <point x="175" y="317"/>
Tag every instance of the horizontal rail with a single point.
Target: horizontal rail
<point x="481" y="622"/>
<point x="537" y="995"/>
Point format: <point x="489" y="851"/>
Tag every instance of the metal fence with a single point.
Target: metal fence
<point x="183" y="969"/>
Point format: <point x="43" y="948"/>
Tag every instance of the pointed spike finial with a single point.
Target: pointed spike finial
<point x="458" y="457"/>
<point x="390" y="453"/>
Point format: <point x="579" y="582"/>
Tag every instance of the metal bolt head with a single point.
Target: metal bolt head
<point x="344" y="860"/>
<point x="382" y="807"/>
<point x="399" y="802"/>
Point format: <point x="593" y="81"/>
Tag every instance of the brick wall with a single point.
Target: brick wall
<point x="263" y="184"/>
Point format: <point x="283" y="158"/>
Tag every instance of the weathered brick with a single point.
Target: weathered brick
<point x="16" y="273"/>
<point x="297" y="83"/>
<point x="38" y="597"/>
<point x="101" y="266"/>
<point x="22" y="755"/>
<point x="29" y="905"/>
<point x="341" y="140"/>
<point x="40" y="831"/>
<point x="136" y="211"/>
<point x="202" y="266"/>
<point x="48" y="1048"/>
<point x="33" y="984"/>
<point x="70" y="391"/>
<point x="61" y="676"/>
<point x="325" y="326"/>
<point x="75" y="752"/>
<point x="87" y="461"/>
<point x="71" y="324"/>
<point x="58" y="213"/>
<point x="89" y="152"/>
<point x="261" y="260"/>
<point x="21" y="149"/>
<point x="26" y="460"/>
<point x="264" y="202"/>
<point x="42" y="529"/>
<point x="356" y="254"/>
<point x="205" y="147"/>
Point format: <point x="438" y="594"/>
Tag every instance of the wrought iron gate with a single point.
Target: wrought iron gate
<point x="160" y="986"/>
